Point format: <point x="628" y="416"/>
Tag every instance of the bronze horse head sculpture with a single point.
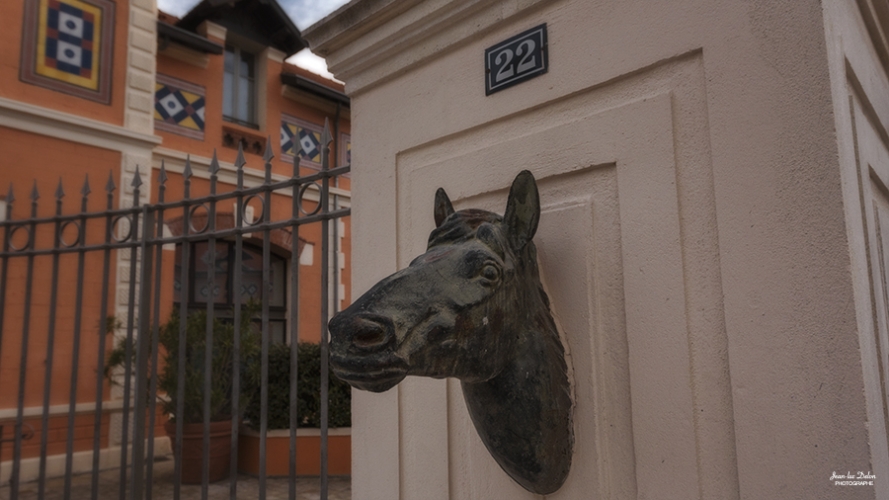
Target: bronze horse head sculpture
<point x="472" y="307"/>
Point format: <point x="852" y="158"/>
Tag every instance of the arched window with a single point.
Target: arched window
<point x="222" y="288"/>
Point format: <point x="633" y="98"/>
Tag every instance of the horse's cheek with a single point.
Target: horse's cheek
<point x="463" y="330"/>
<point x="483" y="349"/>
<point x="467" y="294"/>
<point x="496" y="321"/>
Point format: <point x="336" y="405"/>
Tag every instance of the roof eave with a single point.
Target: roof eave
<point x="306" y="85"/>
<point x="168" y="32"/>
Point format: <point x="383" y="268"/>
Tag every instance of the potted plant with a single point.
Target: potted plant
<point x="308" y="417"/>
<point x="220" y="389"/>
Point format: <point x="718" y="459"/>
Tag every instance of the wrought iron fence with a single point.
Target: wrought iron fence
<point x="74" y="252"/>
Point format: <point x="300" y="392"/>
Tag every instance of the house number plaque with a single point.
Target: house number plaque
<point x="516" y="60"/>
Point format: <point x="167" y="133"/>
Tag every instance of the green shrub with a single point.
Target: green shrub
<point x="195" y="351"/>
<point x="308" y="394"/>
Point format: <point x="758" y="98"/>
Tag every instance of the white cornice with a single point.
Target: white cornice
<point x="367" y="41"/>
<point x="212" y="30"/>
<point x="174" y="161"/>
<point x="274" y="54"/>
<point x="49" y="122"/>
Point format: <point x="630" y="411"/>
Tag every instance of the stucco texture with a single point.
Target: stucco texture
<point x="701" y="236"/>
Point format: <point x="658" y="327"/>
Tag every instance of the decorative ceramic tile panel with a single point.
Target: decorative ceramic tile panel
<point x="67" y="46"/>
<point x="179" y="107"/>
<point x="302" y="136"/>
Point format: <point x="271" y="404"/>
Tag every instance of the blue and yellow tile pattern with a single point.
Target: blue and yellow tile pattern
<point x="179" y="107"/>
<point x="67" y="44"/>
<point x="301" y="135"/>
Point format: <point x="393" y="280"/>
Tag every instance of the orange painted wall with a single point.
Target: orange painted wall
<point x="12" y="88"/>
<point x="211" y="79"/>
<point x="57" y="435"/>
<point x="25" y="156"/>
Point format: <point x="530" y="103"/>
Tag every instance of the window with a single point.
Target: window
<point x="239" y="87"/>
<point x="221" y="290"/>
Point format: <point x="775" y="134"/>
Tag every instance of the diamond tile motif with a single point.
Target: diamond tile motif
<point x="169" y="103"/>
<point x="67" y="46"/>
<point x="303" y="136"/>
<point x="179" y="107"/>
<point x="310" y="144"/>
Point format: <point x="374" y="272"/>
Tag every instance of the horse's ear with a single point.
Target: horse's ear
<point x="522" y="210"/>
<point x="443" y="207"/>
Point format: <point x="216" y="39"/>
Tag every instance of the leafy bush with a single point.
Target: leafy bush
<point x="308" y="402"/>
<point x="195" y="352"/>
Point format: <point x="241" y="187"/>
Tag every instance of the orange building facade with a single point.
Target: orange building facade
<point x="94" y="91"/>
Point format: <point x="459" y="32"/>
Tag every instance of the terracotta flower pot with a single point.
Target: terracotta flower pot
<point x="308" y="452"/>
<point x="193" y="448"/>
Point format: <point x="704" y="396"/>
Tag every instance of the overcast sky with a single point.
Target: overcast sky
<point x="304" y="13"/>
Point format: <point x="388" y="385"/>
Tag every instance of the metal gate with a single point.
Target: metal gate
<point x="56" y="276"/>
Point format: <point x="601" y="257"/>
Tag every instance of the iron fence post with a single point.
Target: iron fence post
<point x="142" y="351"/>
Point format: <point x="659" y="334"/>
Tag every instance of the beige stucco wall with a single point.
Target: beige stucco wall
<point x="708" y="238"/>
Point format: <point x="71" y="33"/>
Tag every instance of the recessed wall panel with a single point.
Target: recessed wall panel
<point x="611" y="251"/>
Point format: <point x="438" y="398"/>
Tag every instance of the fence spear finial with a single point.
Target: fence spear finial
<point x="85" y="190"/>
<point x="240" y="161"/>
<point x="268" y="155"/>
<point x="162" y="176"/>
<point x="10" y="196"/>
<point x="214" y="164"/>
<point x="187" y="172"/>
<point x="161" y="182"/>
<point x="35" y="195"/>
<point x="326" y="138"/>
<point x="110" y="186"/>
<point x="296" y="159"/>
<point x="137" y="178"/>
<point x="60" y="191"/>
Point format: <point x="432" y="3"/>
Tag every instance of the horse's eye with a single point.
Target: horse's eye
<point x="490" y="273"/>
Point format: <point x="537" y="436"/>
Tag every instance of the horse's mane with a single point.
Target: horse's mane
<point x="543" y="397"/>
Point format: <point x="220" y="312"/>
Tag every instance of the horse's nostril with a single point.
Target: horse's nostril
<point x="369" y="333"/>
<point x="369" y="338"/>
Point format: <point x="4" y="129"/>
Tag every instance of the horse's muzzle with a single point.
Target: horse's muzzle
<point x="361" y="333"/>
<point x="362" y="351"/>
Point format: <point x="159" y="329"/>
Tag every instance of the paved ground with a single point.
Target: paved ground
<point x="307" y="488"/>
